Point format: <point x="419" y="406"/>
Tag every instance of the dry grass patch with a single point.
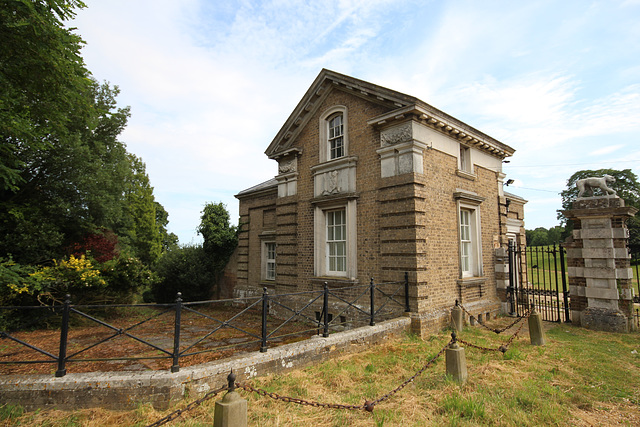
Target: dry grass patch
<point x="579" y="378"/>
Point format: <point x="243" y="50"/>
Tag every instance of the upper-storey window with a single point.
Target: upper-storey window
<point x="465" y="159"/>
<point x="336" y="137"/>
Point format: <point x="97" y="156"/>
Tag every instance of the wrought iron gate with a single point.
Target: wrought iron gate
<point x="537" y="276"/>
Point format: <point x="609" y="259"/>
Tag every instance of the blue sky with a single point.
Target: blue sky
<point x="210" y="82"/>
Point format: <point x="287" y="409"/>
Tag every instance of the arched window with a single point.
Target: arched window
<point x="334" y="140"/>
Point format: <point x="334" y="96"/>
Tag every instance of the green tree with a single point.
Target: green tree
<point x="138" y="229"/>
<point x="81" y="182"/>
<point x="169" y="240"/>
<point x="556" y="234"/>
<point x="220" y="237"/>
<point x="73" y="189"/>
<point x="537" y="237"/>
<point x="42" y="80"/>
<point x="626" y="186"/>
<point x="186" y="270"/>
<point x="69" y="190"/>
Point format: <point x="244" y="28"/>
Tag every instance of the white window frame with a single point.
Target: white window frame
<point x="336" y="241"/>
<point x="323" y="242"/>
<point x="335" y="138"/>
<point x="267" y="262"/>
<point x="469" y="240"/>
<point x="327" y="136"/>
<point x="465" y="163"/>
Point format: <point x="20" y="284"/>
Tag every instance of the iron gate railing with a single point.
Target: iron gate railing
<point x="635" y="264"/>
<point x="538" y="277"/>
<point x="312" y="312"/>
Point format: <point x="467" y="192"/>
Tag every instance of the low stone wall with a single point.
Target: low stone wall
<point x="126" y="390"/>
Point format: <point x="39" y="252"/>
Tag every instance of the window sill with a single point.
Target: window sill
<point x="466" y="175"/>
<point x="334" y="281"/>
<point x="471" y="281"/>
<point x="339" y="163"/>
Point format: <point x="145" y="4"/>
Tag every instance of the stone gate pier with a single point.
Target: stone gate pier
<point x="599" y="264"/>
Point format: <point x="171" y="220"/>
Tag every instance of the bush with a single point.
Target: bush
<point x="186" y="269"/>
<point x="77" y="277"/>
<point x="126" y="278"/>
<point x="16" y="283"/>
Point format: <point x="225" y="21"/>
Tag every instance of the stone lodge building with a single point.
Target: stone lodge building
<point x="375" y="183"/>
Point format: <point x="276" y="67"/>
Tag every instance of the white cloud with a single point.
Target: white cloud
<point x="606" y="150"/>
<point x="211" y="82"/>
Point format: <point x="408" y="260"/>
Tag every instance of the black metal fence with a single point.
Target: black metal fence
<point x="635" y="264"/>
<point x="545" y="283"/>
<point x="183" y="329"/>
<point x="538" y="277"/>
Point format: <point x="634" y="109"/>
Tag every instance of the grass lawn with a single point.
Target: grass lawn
<point x="580" y="377"/>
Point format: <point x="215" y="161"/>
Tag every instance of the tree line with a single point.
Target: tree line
<point x="77" y="209"/>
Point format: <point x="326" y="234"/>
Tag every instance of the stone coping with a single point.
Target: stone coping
<point x="127" y="390"/>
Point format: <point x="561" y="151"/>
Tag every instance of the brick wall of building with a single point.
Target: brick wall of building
<point x="405" y="223"/>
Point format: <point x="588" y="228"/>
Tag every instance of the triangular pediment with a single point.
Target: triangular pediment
<point x="327" y="81"/>
<point x="400" y="105"/>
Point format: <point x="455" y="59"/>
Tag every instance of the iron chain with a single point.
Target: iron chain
<point x="496" y="330"/>
<point x="504" y="347"/>
<point x="288" y="399"/>
<point x="404" y="384"/>
<point x="368" y="405"/>
<point x="172" y="416"/>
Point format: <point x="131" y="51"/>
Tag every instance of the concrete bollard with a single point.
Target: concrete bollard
<point x="231" y="411"/>
<point x="456" y="317"/>
<point x="456" y="361"/>
<point x="536" y="333"/>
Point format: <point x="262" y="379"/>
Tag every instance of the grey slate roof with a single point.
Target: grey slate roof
<point x="262" y="186"/>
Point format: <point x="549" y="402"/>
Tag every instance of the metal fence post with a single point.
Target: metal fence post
<point x="565" y="290"/>
<point x="176" y="334"/>
<point x="407" y="309"/>
<point x="511" y="289"/>
<point x="325" y="303"/>
<point x="64" y="334"/>
<point x="265" y="309"/>
<point x="372" y="289"/>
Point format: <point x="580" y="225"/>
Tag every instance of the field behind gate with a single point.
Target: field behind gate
<point x="580" y="377"/>
<point x="541" y="264"/>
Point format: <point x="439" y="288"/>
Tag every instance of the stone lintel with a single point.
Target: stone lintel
<point x="601" y="233"/>
<point x="597" y="243"/>
<point x="598" y="253"/>
<point x="601" y="293"/>
<point x="599" y="272"/>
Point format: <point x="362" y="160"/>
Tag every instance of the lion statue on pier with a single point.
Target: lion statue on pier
<point x="596" y="182"/>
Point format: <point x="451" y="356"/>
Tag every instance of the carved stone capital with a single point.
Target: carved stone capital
<point x="396" y="135"/>
<point x="288" y="166"/>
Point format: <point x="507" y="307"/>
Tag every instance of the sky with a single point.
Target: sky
<point x="210" y="83"/>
